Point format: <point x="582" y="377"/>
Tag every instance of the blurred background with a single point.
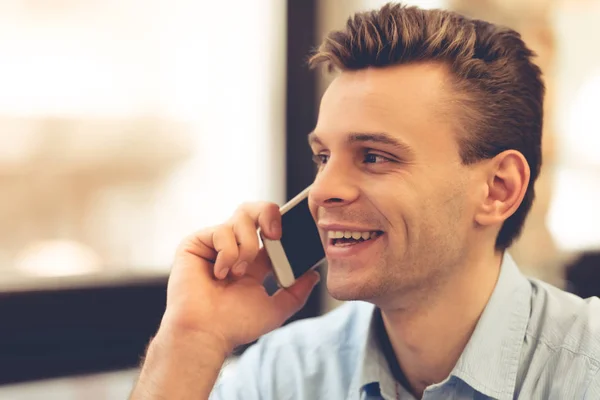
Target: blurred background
<point x="127" y="124"/>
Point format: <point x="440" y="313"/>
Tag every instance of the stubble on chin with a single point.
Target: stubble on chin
<point x="360" y="288"/>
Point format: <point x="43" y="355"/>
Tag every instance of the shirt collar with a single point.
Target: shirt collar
<point x="490" y="360"/>
<point x="373" y="368"/>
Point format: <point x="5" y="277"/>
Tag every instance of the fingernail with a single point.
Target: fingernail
<point x="274" y="227"/>
<point x="240" y="268"/>
<point x="318" y="277"/>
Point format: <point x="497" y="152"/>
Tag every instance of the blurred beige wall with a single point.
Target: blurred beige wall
<point x="126" y="125"/>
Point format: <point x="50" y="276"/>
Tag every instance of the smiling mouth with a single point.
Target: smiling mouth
<point x="346" y="238"/>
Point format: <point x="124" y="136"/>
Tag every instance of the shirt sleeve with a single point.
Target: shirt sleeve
<point x="240" y="379"/>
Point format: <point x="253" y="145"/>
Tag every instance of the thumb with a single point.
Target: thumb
<point x="288" y="301"/>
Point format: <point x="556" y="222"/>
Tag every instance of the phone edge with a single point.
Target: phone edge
<point x="285" y="277"/>
<point x="295" y="200"/>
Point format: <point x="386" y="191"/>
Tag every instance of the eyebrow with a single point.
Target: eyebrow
<point x="381" y="138"/>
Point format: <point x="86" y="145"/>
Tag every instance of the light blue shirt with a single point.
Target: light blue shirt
<point x="533" y="341"/>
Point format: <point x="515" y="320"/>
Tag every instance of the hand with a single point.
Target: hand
<point x="216" y="285"/>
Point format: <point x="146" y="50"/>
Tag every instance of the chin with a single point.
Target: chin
<point x="347" y="289"/>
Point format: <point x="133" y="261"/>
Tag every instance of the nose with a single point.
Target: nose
<point x="334" y="185"/>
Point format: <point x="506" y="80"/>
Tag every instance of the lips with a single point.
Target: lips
<point x="349" y="238"/>
<point x="358" y="250"/>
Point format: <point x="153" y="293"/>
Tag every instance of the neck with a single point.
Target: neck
<point x="429" y="338"/>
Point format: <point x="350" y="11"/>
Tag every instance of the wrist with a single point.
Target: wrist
<point x="177" y="340"/>
<point x="180" y="365"/>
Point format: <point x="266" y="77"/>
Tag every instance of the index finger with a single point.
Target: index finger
<point x="266" y="216"/>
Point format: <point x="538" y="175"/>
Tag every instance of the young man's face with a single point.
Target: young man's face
<point x="390" y="170"/>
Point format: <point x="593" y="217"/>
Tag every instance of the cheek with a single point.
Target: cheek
<point x="314" y="209"/>
<point x="414" y="210"/>
<point x="396" y="206"/>
<point x="451" y="211"/>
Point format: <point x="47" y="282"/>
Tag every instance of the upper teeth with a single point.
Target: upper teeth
<point x="350" y="234"/>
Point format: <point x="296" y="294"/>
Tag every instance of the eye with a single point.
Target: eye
<point x="320" y="159"/>
<point x="373" y="158"/>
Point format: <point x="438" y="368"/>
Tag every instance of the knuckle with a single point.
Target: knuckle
<point x="240" y="212"/>
<point x="191" y="241"/>
<point x="245" y="208"/>
<point x="258" y="207"/>
<point x="248" y="252"/>
<point x="229" y="254"/>
<point x="221" y="231"/>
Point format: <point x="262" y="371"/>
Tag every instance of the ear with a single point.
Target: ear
<point x="507" y="180"/>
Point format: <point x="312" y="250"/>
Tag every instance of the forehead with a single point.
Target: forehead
<point x="411" y="101"/>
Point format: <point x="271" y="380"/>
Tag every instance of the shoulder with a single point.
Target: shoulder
<point x="563" y="321"/>
<point x="562" y="343"/>
<point x="560" y="357"/>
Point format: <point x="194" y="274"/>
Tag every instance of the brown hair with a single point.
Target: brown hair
<point x="500" y="89"/>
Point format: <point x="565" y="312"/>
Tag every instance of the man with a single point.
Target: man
<point x="429" y="138"/>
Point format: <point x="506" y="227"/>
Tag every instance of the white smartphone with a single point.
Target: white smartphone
<point x="300" y="248"/>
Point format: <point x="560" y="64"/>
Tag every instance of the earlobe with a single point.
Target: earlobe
<point x="507" y="181"/>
